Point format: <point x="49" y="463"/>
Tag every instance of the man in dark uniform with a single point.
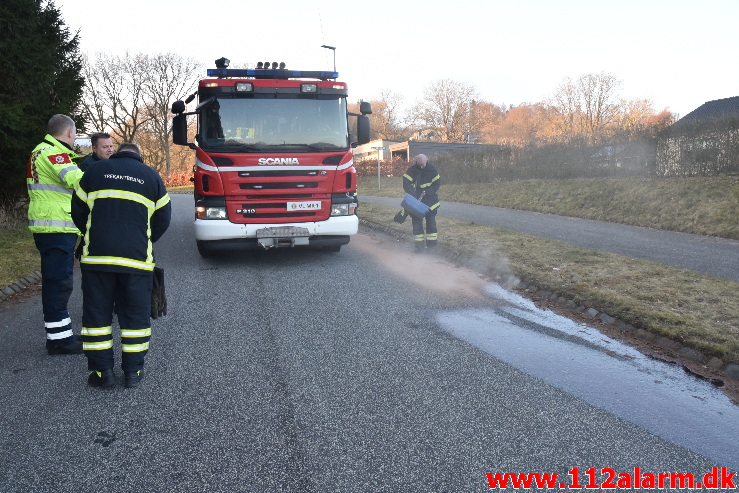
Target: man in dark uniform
<point x="422" y="181"/>
<point x="122" y="207"/>
<point x="102" y="148"/>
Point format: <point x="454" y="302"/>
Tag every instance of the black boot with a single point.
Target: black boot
<point x="103" y="378"/>
<point x="72" y="346"/>
<point x="133" y="378"/>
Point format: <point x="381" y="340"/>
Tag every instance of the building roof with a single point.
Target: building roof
<point x="714" y="110"/>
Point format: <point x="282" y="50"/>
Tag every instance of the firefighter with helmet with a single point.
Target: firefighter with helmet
<point x="422" y="180"/>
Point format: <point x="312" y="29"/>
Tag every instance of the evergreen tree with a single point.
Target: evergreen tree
<point x="41" y="76"/>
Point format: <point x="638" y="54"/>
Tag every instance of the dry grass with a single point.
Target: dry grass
<point x="708" y="206"/>
<point x="20" y="256"/>
<point x="696" y="310"/>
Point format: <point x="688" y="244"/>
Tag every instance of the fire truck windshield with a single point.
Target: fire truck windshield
<point x="284" y="125"/>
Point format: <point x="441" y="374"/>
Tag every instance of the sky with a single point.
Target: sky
<point x="676" y="53"/>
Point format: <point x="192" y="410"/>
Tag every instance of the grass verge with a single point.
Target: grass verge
<point x="695" y="310"/>
<point x="20" y="256"/>
<point x="699" y="205"/>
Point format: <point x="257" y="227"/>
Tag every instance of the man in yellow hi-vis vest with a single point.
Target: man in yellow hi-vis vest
<point x="51" y="179"/>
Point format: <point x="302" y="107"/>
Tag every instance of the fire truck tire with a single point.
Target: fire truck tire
<point x="203" y="250"/>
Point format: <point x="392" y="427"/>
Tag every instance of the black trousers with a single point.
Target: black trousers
<point x="57" y="263"/>
<point x="427" y="238"/>
<point x="131" y="296"/>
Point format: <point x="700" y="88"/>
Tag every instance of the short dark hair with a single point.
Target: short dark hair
<point x="97" y="136"/>
<point x="59" y="124"/>
<point x="129" y="147"/>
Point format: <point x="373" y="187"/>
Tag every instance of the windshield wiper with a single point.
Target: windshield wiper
<point x="313" y="147"/>
<point x="235" y="147"/>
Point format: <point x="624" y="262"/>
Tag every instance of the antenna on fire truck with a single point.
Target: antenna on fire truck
<point x="332" y="48"/>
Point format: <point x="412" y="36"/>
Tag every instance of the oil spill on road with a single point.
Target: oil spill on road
<point x="602" y="371"/>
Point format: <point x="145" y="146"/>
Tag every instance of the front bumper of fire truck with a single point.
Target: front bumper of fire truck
<point x="332" y="232"/>
<point x="214" y="230"/>
<point x="223" y="229"/>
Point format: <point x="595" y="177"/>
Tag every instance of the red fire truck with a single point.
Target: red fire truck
<point x="273" y="158"/>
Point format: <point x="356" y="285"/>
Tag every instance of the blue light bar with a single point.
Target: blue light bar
<point x="272" y="74"/>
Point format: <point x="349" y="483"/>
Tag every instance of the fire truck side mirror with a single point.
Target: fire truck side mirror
<point x="179" y="130"/>
<point x="178" y="107"/>
<point x="363" y="129"/>
<point x="365" y="108"/>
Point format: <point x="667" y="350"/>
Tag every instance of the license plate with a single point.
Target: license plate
<point x="282" y="232"/>
<point x="304" y="206"/>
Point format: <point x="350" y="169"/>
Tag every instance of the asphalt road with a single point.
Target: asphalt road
<point x="709" y="255"/>
<point x="299" y="371"/>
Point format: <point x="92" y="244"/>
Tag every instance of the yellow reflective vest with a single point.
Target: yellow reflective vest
<point x="51" y="179"/>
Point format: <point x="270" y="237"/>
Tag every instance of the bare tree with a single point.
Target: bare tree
<point x="567" y="102"/>
<point x="490" y="117"/>
<point x="114" y="97"/>
<point x="169" y="77"/>
<point x="588" y="105"/>
<point x="130" y="97"/>
<point x="387" y="121"/>
<point x="601" y="105"/>
<point x="446" y="110"/>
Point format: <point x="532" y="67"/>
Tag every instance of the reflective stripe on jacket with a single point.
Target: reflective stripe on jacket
<point x="51" y="179"/>
<point x="426" y="181"/>
<point x="122" y="207"/>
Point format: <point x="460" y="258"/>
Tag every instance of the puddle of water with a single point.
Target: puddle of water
<point x="604" y="372"/>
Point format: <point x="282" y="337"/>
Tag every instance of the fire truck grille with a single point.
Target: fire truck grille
<point x="281" y="196"/>
<point x="262" y="174"/>
<point x="277" y="186"/>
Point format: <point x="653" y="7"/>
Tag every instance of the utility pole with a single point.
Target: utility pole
<point x="378" y="149"/>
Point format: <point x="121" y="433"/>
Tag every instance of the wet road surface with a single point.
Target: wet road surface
<point x="579" y="360"/>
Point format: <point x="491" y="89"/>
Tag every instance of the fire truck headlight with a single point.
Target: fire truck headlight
<point x="341" y="209"/>
<point x="244" y="87"/>
<point x="313" y="88"/>
<point x="202" y="212"/>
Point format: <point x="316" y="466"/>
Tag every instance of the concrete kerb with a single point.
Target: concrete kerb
<point x="20" y="285"/>
<point x="715" y="364"/>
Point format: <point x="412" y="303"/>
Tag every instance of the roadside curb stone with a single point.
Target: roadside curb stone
<point x="667" y="343"/>
<point x="20" y="285"/>
<point x="692" y="354"/>
<point x="732" y="370"/>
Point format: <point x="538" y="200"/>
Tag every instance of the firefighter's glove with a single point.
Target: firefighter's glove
<point x="158" y="295"/>
<point x="400" y="217"/>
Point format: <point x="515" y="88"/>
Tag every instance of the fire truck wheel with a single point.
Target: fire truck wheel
<point x="203" y="250"/>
